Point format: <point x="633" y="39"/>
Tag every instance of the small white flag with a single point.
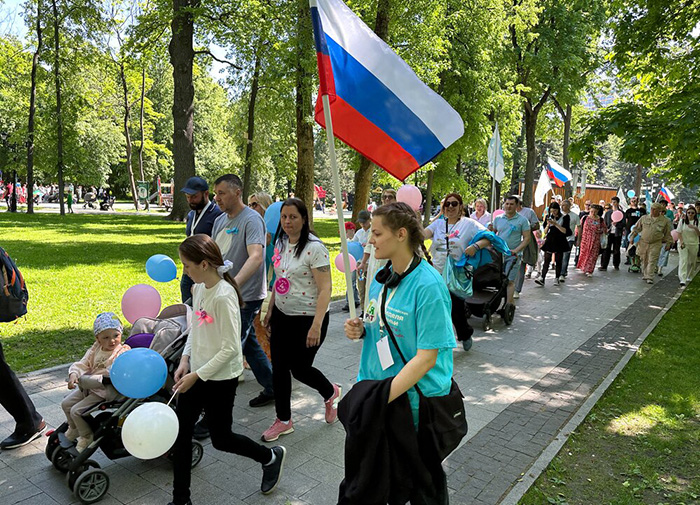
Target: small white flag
<point x="544" y="186"/>
<point x="623" y="199"/>
<point x="495" y="153"/>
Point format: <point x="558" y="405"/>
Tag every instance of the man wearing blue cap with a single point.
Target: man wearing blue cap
<point x="199" y="220"/>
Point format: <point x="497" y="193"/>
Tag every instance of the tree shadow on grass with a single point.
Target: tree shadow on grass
<point x="40" y="255"/>
<point x="80" y="224"/>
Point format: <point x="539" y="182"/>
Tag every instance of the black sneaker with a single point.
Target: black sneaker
<point x="603" y="269"/>
<point x="539" y="281"/>
<point x="261" y="400"/>
<point x="19" y="439"/>
<point x="467" y="344"/>
<point x="272" y="473"/>
<point x="188" y="502"/>
<point x="346" y="308"/>
<point x="201" y="429"/>
<point x="617" y="268"/>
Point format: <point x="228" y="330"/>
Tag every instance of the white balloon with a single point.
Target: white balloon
<point x="150" y="430"/>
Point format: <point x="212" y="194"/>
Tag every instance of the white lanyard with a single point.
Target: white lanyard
<point x="201" y="215"/>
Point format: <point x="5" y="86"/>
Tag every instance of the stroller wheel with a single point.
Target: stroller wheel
<point x="91" y="485"/>
<point x="488" y="320"/>
<point x="61" y="459"/>
<point x="72" y="476"/>
<point x="52" y="443"/>
<point x="197" y="453"/>
<point x="508" y="313"/>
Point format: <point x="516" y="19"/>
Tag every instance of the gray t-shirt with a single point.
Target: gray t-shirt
<point x="233" y="236"/>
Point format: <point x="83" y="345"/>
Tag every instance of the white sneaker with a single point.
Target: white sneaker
<point x="516" y="295"/>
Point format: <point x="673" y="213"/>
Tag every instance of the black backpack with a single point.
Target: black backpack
<point x="13" y="290"/>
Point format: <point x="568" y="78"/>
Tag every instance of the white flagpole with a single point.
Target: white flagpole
<point x="339" y="205"/>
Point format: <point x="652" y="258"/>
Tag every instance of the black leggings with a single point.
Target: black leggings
<point x="290" y="356"/>
<point x="216" y="398"/>
<point x="460" y="319"/>
<point x="558" y="260"/>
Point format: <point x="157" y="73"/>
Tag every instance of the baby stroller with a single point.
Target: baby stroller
<point x="107" y="203"/>
<point x="490" y="290"/>
<point x="89" y="200"/>
<point x="166" y="335"/>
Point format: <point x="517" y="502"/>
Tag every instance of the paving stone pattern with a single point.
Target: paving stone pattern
<point x="521" y="384"/>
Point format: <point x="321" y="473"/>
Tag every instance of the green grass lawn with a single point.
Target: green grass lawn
<point x="641" y="442"/>
<point x="80" y="265"/>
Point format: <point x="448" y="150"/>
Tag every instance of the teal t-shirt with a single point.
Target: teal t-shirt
<point x="419" y="313"/>
<point x="511" y="230"/>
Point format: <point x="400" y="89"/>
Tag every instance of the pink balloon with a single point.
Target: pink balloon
<point x="675" y="235"/>
<point x="341" y="266"/>
<point x="498" y="212"/>
<point x="617" y="216"/>
<point x="410" y="195"/>
<point x="140" y="300"/>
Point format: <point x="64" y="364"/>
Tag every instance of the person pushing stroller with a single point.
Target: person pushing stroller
<point x="89" y="375"/>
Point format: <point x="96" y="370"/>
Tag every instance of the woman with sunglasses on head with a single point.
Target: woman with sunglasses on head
<point x="458" y="231"/>
<point x="409" y="299"/>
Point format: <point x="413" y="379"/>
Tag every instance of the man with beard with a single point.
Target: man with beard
<point x="199" y="220"/>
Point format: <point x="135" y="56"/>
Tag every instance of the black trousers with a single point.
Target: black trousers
<point x="460" y="319"/>
<point x="614" y="243"/>
<point x="290" y="356"/>
<point x="558" y="262"/>
<point x="216" y="398"/>
<point x="15" y="400"/>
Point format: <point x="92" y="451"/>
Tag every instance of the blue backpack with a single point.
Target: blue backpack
<point x="13" y="290"/>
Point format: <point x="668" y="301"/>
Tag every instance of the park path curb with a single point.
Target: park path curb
<point x="546" y="457"/>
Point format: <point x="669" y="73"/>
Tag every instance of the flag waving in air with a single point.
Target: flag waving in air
<point x="559" y="174"/>
<point x="666" y="194"/>
<point x="495" y="155"/>
<point x="379" y="107"/>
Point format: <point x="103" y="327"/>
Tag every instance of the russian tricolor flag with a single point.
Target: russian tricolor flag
<point x="666" y="194"/>
<point x="557" y="173"/>
<point x="378" y="104"/>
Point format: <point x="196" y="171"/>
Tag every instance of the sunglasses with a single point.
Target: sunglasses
<point x="253" y="205"/>
<point x="451" y="204"/>
<point x="387" y="197"/>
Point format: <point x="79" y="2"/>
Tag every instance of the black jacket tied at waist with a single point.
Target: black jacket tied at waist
<point x="382" y="461"/>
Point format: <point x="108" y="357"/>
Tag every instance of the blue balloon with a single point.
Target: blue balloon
<point x="139" y="373"/>
<point x="631" y="193"/>
<point x="272" y="217"/>
<point x="355" y="250"/>
<point x="161" y="268"/>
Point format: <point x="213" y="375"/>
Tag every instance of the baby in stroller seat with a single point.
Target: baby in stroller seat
<point x="91" y="376"/>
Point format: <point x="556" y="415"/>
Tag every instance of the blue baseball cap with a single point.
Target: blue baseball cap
<point x="195" y="185"/>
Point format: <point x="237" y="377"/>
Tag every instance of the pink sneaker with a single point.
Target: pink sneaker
<point x="278" y="428"/>
<point x="332" y="404"/>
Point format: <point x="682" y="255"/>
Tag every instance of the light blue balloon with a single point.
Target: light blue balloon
<point x="272" y="217"/>
<point x="355" y="250"/>
<point x="139" y="373"/>
<point x="631" y="193"/>
<point x="161" y="268"/>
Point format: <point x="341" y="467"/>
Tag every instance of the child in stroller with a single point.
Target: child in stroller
<point x="166" y="335"/>
<point x="90" y="375"/>
<point x="490" y="291"/>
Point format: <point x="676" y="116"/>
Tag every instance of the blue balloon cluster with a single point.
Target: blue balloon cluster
<point x="272" y="217"/>
<point x="161" y="268"/>
<point x="139" y="373"/>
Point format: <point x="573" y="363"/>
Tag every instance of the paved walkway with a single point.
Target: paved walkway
<point x="522" y="383"/>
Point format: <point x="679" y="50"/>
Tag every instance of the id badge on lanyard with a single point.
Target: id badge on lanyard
<point x="195" y="222"/>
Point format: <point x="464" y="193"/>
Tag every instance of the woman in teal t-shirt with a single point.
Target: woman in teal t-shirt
<point x="417" y="309"/>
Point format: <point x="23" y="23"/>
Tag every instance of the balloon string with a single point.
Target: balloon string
<point x="171" y="398"/>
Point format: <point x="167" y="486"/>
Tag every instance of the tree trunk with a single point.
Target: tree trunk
<point x="638" y="181"/>
<point x="531" y="160"/>
<point x="363" y="177"/>
<point x="182" y="58"/>
<point x="59" y="117"/>
<point x="517" y="160"/>
<point x="143" y="98"/>
<point x="255" y="85"/>
<point x="127" y="137"/>
<point x="427" y="211"/>
<point x="304" y="187"/>
<point x="32" y="111"/>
